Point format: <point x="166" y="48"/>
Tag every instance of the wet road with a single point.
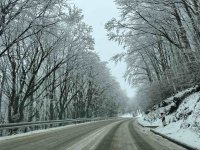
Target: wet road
<point x="123" y="134"/>
<point x="129" y="135"/>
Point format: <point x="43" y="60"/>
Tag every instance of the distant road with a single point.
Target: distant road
<point x="123" y="134"/>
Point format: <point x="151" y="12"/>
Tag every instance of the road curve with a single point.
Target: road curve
<point x="123" y="134"/>
<point x="54" y="140"/>
<point x="129" y="135"/>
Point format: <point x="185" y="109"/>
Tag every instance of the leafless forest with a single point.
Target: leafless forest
<point x="162" y="40"/>
<point x="48" y="67"/>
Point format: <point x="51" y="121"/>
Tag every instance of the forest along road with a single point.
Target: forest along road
<point x="122" y="134"/>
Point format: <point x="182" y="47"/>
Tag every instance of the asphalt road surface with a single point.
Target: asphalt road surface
<point x="123" y="134"/>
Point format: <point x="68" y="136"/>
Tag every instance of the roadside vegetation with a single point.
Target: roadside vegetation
<point x="161" y="41"/>
<point x="48" y="66"/>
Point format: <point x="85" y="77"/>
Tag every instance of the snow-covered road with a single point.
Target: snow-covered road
<point x="124" y="134"/>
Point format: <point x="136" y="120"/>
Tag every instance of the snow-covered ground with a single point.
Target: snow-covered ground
<point x="127" y="115"/>
<point x="183" y="123"/>
<point x="143" y="122"/>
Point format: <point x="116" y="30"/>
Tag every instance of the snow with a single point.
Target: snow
<point x="127" y="115"/>
<point x="183" y="124"/>
<point x="91" y="141"/>
<point x="136" y="114"/>
<point x="184" y="135"/>
<point x="157" y="122"/>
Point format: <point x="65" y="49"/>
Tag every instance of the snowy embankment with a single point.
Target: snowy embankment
<point x="182" y="117"/>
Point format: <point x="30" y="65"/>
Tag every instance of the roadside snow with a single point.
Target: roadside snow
<point x="127" y="115"/>
<point x="183" y="124"/>
<point x="144" y="122"/>
<point x="184" y="135"/>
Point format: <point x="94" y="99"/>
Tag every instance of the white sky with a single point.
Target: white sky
<point x="97" y="13"/>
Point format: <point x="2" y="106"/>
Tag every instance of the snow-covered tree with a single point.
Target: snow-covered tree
<point x="161" y="42"/>
<point x="48" y="66"/>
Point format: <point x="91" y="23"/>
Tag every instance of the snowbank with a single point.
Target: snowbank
<point x="144" y="122"/>
<point x="187" y="135"/>
<point x="127" y="115"/>
<point x="182" y="116"/>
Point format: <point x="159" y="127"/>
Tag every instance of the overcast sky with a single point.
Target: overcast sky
<point x="97" y="13"/>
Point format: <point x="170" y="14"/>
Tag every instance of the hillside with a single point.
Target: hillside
<point x="182" y="116"/>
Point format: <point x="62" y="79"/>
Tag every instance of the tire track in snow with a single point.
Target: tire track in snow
<point x="93" y="140"/>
